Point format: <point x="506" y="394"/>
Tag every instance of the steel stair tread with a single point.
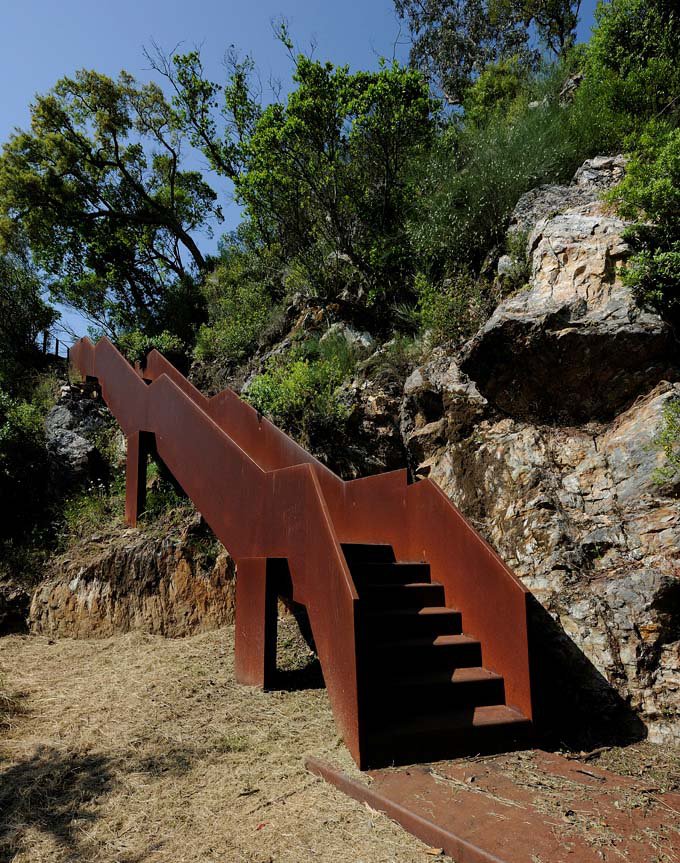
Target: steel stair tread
<point x="453" y="721"/>
<point x="409" y="585"/>
<point x="416" y="611"/>
<point x="462" y="675"/>
<point x="424" y="641"/>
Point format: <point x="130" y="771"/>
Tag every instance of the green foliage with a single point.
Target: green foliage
<point x="136" y="345"/>
<point x="240" y="305"/>
<point x="23" y="315"/>
<point x="393" y="361"/>
<point x="650" y="192"/>
<point x="496" y="88"/>
<point x="87" y="511"/>
<point x="98" y="190"/>
<point x="668" y="440"/>
<point x="456" y="42"/>
<point x="555" y="20"/>
<point x="475" y="174"/>
<point x="298" y="391"/>
<point x="23" y="459"/>
<point x="161" y="497"/>
<point x="634" y="57"/>
<point x="453" y="309"/>
<point x="323" y="175"/>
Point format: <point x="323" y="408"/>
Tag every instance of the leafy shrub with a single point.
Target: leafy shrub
<point x="497" y="87"/>
<point x="650" y="191"/>
<point x="162" y="495"/>
<point x="239" y="319"/>
<point x="298" y="390"/>
<point x="135" y="345"/>
<point x="85" y="512"/>
<point x="23" y="459"/>
<point x="453" y="309"/>
<point x="241" y="296"/>
<point x="393" y="361"/>
<point x="475" y="174"/>
<point x="634" y="57"/>
<point x="668" y="440"/>
<point x="23" y="314"/>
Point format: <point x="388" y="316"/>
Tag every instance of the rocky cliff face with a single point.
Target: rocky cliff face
<point x="168" y="583"/>
<point x="540" y="429"/>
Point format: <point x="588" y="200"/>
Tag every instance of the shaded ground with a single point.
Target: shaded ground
<point x="139" y="748"/>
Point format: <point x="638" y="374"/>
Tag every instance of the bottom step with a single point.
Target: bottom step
<point x="450" y="733"/>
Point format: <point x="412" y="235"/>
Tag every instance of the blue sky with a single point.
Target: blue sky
<point x="43" y="40"/>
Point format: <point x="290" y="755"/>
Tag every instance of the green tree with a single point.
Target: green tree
<point x="23" y="315"/>
<point x="98" y="189"/>
<point x="453" y="42"/>
<point x="322" y="175"/>
<point x="555" y="20"/>
<point x="634" y="56"/>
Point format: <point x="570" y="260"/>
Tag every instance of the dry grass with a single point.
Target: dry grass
<point x="138" y="748"/>
<point x="658" y="766"/>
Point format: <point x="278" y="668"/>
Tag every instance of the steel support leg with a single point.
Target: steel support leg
<point x="138" y="448"/>
<point x="257" y="589"/>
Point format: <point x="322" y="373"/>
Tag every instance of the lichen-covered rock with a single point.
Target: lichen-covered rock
<point x="575" y="512"/>
<point x="592" y="178"/>
<point x="601" y="172"/>
<point x="71" y="428"/>
<point x="129" y="580"/>
<point x="360" y="342"/>
<point x="371" y="441"/>
<point x="574" y="345"/>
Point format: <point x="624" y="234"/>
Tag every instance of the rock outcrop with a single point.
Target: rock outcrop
<point x="575" y="322"/>
<point x="541" y="430"/>
<point x="71" y="429"/>
<point x="171" y="584"/>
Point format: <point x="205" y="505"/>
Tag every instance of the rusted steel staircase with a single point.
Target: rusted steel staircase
<point x="420" y="628"/>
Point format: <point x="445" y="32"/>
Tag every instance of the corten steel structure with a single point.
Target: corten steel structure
<point x="405" y="683"/>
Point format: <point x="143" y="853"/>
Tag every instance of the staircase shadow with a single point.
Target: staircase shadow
<point x="575" y="706"/>
<point x="297" y="679"/>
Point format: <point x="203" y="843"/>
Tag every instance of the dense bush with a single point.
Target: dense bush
<point x="23" y="315"/>
<point x="650" y="195"/>
<point x="634" y="57"/>
<point x="453" y="309"/>
<point x="298" y="390"/>
<point x="241" y="302"/>
<point x="23" y="459"/>
<point x="135" y="345"/>
<point x="475" y="174"/>
<point x="668" y="441"/>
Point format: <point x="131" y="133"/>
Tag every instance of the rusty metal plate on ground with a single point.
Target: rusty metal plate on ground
<point x="524" y="807"/>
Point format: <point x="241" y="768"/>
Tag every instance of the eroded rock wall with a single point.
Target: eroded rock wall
<point x="541" y="431"/>
<point x="162" y="584"/>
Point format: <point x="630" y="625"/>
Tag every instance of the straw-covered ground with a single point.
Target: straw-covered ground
<point x="139" y="748"/>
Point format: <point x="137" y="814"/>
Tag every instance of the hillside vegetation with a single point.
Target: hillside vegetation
<point x="377" y="199"/>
